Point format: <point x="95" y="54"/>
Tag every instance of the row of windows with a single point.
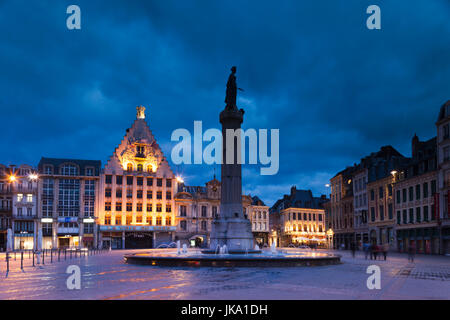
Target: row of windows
<point x="20" y="212"/>
<point x="305" y="228"/>
<point x="139" y="194"/>
<point x="416" y="193"/>
<point x="139" y="207"/>
<point x="259" y="226"/>
<point x="418" y="215"/>
<point x="20" y="197"/>
<point x="183" y="225"/>
<point x="381" y="213"/>
<point x="204" y="211"/>
<point x="139" y="219"/>
<point x="140" y="168"/>
<point x="260" y="215"/>
<point x="306" y="216"/>
<point x="139" y="181"/>
<point x="360" y="184"/>
<point x="69" y="170"/>
<point x="380" y="192"/>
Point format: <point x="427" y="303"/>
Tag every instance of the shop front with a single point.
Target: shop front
<point x="23" y="235"/>
<point x="24" y="241"/>
<point x="424" y="240"/>
<point x="135" y="237"/>
<point x="68" y="233"/>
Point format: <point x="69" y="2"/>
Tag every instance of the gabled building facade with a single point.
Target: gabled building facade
<point x="5" y="204"/>
<point x="137" y="189"/>
<point x="415" y="190"/>
<point x="298" y="218"/>
<point x="443" y="197"/>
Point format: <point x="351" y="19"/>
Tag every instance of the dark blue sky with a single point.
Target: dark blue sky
<point x="336" y="90"/>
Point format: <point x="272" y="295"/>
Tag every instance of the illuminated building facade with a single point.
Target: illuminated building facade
<point x="298" y="218"/>
<point x="196" y="207"/>
<point x="68" y="201"/>
<point x="342" y="208"/>
<point x="258" y="213"/>
<point x="24" y="189"/>
<point x="5" y="204"/>
<point x="137" y="189"/>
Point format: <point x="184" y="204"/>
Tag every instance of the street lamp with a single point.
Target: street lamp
<point x="330" y="234"/>
<point x="180" y="179"/>
<point x="12" y="178"/>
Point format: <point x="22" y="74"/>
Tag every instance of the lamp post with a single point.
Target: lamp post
<point x="330" y="234"/>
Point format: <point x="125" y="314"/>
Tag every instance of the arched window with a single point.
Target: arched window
<point x="140" y="168"/>
<point x="129" y="167"/>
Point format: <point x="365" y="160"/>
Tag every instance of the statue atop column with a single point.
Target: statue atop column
<point x="230" y="98"/>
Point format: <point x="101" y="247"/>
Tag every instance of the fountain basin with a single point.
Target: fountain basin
<point x="264" y="259"/>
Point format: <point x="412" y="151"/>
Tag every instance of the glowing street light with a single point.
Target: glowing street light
<point x="180" y="179"/>
<point x="33" y="176"/>
<point x="12" y="178"/>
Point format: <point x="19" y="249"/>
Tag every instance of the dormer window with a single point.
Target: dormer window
<point x="89" y="172"/>
<point x="140" y="167"/>
<point x="140" y="151"/>
<point x="129" y="167"/>
<point x="69" y="170"/>
<point x="48" y="170"/>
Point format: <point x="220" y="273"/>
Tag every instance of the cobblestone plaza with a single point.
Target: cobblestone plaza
<point x="107" y="276"/>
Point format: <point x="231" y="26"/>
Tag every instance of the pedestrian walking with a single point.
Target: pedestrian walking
<point x="366" y="250"/>
<point x="375" y="251"/>
<point x="411" y="252"/>
<point x="385" y="250"/>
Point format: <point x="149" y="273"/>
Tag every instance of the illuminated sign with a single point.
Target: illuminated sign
<point x="46" y="220"/>
<point x="67" y="219"/>
<point x="137" y="228"/>
<point x="88" y="220"/>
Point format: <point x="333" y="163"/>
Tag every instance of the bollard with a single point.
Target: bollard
<point x="43" y="255"/>
<point x="33" y="258"/>
<point x="7" y="263"/>
<point x="21" y="260"/>
<point x="51" y="255"/>
<point x="59" y="253"/>
<point x="65" y="254"/>
<point x="29" y="254"/>
<point x="15" y="256"/>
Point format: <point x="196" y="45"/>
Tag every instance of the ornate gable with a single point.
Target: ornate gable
<point x="139" y="152"/>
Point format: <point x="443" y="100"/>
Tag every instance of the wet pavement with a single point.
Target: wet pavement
<point x="107" y="276"/>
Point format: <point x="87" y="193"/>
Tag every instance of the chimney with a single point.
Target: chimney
<point x="293" y="190"/>
<point x="414" y="145"/>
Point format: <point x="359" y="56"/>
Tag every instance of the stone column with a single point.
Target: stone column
<point x="231" y="229"/>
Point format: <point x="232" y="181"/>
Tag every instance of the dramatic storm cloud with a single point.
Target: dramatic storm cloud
<point x="336" y="90"/>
